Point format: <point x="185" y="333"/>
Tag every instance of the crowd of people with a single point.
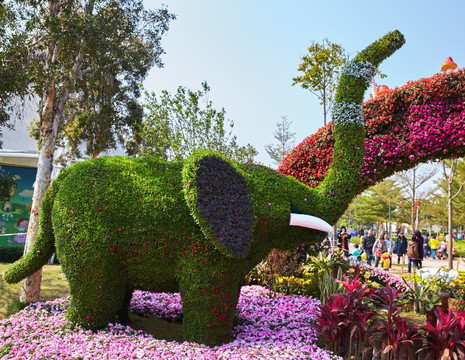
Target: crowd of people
<point x="381" y="249"/>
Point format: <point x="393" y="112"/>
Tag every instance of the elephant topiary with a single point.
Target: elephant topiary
<point x="198" y="226"/>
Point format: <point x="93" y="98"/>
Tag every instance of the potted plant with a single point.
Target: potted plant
<point x="430" y="303"/>
<point x="417" y="292"/>
<point x="443" y="290"/>
<point x="446" y="340"/>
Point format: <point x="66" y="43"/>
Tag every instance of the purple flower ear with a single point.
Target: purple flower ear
<point x="219" y="201"/>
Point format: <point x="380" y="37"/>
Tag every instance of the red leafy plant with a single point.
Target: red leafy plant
<point x="446" y="340"/>
<point x="343" y="320"/>
<point x="400" y="339"/>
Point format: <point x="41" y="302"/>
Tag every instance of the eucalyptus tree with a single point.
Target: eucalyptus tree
<point x="88" y="53"/>
<point x="177" y="125"/>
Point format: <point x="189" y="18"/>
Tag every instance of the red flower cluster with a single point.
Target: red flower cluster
<point x="420" y="121"/>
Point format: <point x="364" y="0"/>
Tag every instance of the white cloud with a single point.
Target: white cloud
<point x="26" y="193"/>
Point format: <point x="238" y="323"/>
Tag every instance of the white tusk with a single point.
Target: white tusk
<point x="311" y="222"/>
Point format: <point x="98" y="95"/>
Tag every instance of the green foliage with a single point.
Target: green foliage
<point x="327" y="260"/>
<point x="418" y="292"/>
<point x="356" y="240"/>
<point x="460" y="247"/>
<point x="9" y="254"/>
<point x="120" y="224"/>
<point x="281" y="272"/>
<point x="339" y="185"/>
<point x="91" y="57"/>
<point x="321" y="69"/>
<point x="373" y="204"/>
<point x="327" y="284"/>
<point x="285" y="140"/>
<point x="125" y="220"/>
<point x="7" y="184"/>
<point x="178" y="125"/>
<point x="439" y="198"/>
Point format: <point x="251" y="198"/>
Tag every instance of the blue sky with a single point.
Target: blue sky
<point x="249" y="51"/>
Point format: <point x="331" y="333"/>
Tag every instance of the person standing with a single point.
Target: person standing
<point x="412" y="253"/>
<point x="390" y="244"/>
<point x="367" y="245"/>
<point x="400" y="247"/>
<point x="426" y="247"/>
<point x="380" y="247"/>
<point x="433" y="245"/>
<point x="343" y="240"/>
<point x="420" y="241"/>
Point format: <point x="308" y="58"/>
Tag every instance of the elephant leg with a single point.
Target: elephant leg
<point x="209" y="306"/>
<point x="97" y="293"/>
<point x="123" y="313"/>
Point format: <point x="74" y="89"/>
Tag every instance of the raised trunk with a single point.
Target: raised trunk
<point x="50" y="116"/>
<point x="324" y="106"/>
<point x="340" y="185"/>
<point x="51" y="110"/>
<point x="449" y="225"/>
<point x="412" y="220"/>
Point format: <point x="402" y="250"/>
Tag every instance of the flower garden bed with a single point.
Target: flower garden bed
<point x="268" y="328"/>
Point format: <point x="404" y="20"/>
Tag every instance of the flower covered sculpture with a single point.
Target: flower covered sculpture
<point x="423" y="120"/>
<point x="121" y="224"/>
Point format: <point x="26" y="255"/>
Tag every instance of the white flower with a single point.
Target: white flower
<point x="348" y="113"/>
<point x="363" y="69"/>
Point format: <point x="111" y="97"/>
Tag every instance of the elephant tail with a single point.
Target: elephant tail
<point x="44" y="245"/>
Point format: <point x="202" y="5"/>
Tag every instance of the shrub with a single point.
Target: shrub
<point x="9" y="254"/>
<point x="447" y="338"/>
<point x="355" y="240"/>
<point x="280" y="272"/>
<point x="460" y="247"/>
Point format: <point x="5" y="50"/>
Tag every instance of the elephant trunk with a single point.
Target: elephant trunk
<point x="339" y="187"/>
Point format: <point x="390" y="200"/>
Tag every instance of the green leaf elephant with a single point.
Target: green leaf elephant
<point x="198" y="226"/>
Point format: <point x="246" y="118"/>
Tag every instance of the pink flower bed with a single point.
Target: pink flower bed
<point x="270" y="328"/>
<point x="394" y="281"/>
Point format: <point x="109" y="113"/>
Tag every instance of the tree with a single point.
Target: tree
<point x="449" y="170"/>
<point x="285" y="140"/>
<point x="68" y="51"/>
<point x="373" y="204"/>
<point x="178" y="125"/>
<point x="411" y="180"/>
<point x="321" y="69"/>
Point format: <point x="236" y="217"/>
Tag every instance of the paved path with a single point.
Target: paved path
<point x="427" y="263"/>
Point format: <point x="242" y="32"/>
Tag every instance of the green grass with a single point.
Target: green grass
<point x="54" y="285"/>
<point x="460" y="247"/>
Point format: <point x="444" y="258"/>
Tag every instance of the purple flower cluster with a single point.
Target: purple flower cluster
<point x="224" y="202"/>
<point x="270" y="328"/>
<point x="160" y="305"/>
<point x="385" y="276"/>
<point x="430" y="131"/>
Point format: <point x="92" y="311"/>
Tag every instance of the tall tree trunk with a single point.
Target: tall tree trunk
<point x="449" y="225"/>
<point x="51" y="111"/>
<point x="449" y="180"/>
<point x="414" y="200"/>
<point x="324" y="106"/>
